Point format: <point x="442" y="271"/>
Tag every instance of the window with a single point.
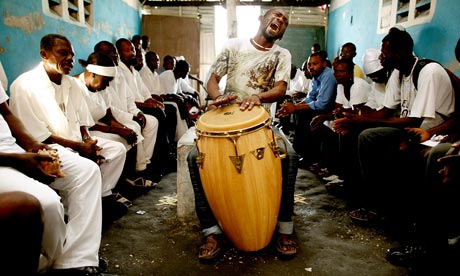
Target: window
<point x="76" y="11"/>
<point x="404" y="12"/>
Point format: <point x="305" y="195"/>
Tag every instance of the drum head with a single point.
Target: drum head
<point x="230" y="117"/>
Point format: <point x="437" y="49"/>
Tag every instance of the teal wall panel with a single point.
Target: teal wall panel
<point x="357" y="20"/>
<point x="299" y="39"/>
<point x="23" y="24"/>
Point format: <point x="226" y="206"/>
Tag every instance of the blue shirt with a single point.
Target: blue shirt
<point x="323" y="91"/>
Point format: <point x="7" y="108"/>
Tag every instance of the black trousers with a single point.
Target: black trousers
<point x="164" y="146"/>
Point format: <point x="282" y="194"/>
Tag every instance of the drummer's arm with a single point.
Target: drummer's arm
<point x="213" y="86"/>
<point x="277" y="92"/>
<point x="214" y="92"/>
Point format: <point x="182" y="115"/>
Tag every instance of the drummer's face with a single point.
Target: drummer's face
<point x="274" y="24"/>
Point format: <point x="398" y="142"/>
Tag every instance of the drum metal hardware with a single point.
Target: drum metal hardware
<point x="259" y="153"/>
<point x="237" y="160"/>
<point x="200" y="160"/>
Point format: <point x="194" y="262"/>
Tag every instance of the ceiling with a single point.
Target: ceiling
<point x="197" y="3"/>
<point x="303" y="15"/>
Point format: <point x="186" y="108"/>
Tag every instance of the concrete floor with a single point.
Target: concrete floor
<point x="151" y="240"/>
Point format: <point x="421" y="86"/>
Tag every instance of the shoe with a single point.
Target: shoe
<point x="331" y="177"/>
<point x="140" y="182"/>
<point x="286" y="245"/>
<point x="363" y="215"/>
<point x="103" y="265"/>
<point x="406" y="255"/>
<point x="113" y="209"/>
<point x="212" y="247"/>
<point x="79" y="271"/>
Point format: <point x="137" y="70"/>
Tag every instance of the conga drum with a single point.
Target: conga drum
<point x="240" y="168"/>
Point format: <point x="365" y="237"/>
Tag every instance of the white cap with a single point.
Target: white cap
<point x="371" y="62"/>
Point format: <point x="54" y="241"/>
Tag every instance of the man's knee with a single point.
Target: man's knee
<point x="19" y="204"/>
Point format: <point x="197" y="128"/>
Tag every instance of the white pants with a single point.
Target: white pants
<point x="145" y="148"/>
<point x="111" y="169"/>
<point x="146" y="144"/>
<point x="76" y="243"/>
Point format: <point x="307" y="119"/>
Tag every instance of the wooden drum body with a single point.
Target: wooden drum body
<point x="240" y="169"/>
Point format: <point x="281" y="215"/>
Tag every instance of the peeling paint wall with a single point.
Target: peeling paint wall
<point x="24" y="23"/>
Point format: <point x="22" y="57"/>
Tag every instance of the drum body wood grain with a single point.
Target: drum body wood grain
<point x="240" y="170"/>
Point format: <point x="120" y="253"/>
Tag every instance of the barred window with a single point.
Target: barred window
<point x="405" y="13"/>
<point x="76" y="11"/>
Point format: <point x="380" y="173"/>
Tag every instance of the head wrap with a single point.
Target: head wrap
<point x="106" y="71"/>
<point x="371" y="62"/>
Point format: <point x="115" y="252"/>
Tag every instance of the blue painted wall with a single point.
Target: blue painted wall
<point x="23" y="24"/>
<point x="356" y="21"/>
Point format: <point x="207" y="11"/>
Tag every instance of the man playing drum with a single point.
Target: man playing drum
<point x="257" y="74"/>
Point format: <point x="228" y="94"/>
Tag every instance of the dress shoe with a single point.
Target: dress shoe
<point x="406" y="255"/>
<point x="79" y="271"/>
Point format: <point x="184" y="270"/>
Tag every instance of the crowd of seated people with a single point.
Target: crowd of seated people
<point x="82" y="139"/>
<point x="371" y="146"/>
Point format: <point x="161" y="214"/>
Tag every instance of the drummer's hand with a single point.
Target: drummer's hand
<point x="249" y="102"/>
<point x="223" y="99"/>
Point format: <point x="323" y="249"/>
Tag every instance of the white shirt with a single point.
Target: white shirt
<point x="359" y="93"/>
<point x="134" y="81"/>
<point x="3" y="77"/>
<point x="300" y="83"/>
<point x="376" y="96"/>
<point x="433" y="100"/>
<point x="168" y="81"/>
<point x="7" y="141"/>
<point x="46" y="108"/>
<point x="151" y="80"/>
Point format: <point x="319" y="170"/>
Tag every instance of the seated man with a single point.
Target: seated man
<point x="124" y="109"/>
<point x="437" y="224"/>
<point x="176" y="89"/>
<point x="320" y="100"/>
<point x="54" y="110"/>
<point x="348" y="51"/>
<point x="68" y="247"/>
<point x="166" y="115"/>
<point x="352" y="94"/>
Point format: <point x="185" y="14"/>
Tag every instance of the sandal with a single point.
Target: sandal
<point x="363" y="215"/>
<point x="212" y="247"/>
<point x="123" y="200"/>
<point x="142" y="183"/>
<point x="286" y="245"/>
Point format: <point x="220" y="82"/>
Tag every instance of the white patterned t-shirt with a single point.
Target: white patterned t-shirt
<point x="250" y="71"/>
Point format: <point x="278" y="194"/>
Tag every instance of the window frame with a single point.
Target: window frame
<point x="405" y="13"/>
<point x="78" y="12"/>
